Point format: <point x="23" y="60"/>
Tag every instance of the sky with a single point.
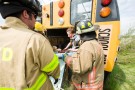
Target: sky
<point x="127" y="14"/>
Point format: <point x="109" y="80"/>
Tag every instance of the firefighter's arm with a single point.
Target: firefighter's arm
<point x="68" y="61"/>
<point x="85" y="61"/>
<point x="49" y="60"/>
<point x="73" y="49"/>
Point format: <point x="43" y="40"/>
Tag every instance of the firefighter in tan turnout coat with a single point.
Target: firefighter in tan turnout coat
<point x="87" y="64"/>
<point x="26" y="57"/>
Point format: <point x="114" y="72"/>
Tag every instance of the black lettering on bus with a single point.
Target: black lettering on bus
<point x="104" y="34"/>
<point x="105" y="47"/>
<point x="105" y="56"/>
<point x="104" y="42"/>
<point x="103" y="37"/>
<point x="108" y="30"/>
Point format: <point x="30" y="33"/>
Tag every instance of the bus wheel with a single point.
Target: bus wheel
<point x="106" y="74"/>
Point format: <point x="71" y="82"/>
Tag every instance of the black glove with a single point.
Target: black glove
<point x="56" y="80"/>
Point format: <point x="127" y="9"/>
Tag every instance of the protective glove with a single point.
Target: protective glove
<point x="64" y="56"/>
<point x="56" y="80"/>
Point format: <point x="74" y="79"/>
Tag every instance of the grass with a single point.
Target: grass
<point x="123" y="75"/>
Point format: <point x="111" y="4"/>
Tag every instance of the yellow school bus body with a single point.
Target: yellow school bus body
<point x="108" y="34"/>
<point x="46" y="10"/>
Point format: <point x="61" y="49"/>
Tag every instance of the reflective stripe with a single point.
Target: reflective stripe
<point x="39" y="83"/>
<point x="7" y="54"/>
<point x="3" y="88"/>
<point x="52" y="65"/>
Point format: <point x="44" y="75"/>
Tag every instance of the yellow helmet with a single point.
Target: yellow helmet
<point x="39" y="27"/>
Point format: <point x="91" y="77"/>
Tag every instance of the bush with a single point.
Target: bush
<point x="127" y="41"/>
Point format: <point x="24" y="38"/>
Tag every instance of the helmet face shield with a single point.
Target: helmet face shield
<point x="85" y="26"/>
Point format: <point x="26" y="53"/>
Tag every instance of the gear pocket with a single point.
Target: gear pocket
<point x="76" y="63"/>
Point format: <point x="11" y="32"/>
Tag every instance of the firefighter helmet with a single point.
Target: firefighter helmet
<point x="9" y="7"/>
<point x="39" y="27"/>
<point x="85" y="26"/>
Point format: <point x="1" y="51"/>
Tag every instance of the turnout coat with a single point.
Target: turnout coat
<point x="26" y="58"/>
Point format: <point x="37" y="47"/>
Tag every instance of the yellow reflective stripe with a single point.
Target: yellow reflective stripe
<point x="89" y="24"/>
<point x="7" y="54"/>
<point x="3" y="88"/>
<point x="39" y="83"/>
<point x="83" y="26"/>
<point x="52" y="65"/>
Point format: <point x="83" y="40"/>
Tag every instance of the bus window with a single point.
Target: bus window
<point x="80" y="9"/>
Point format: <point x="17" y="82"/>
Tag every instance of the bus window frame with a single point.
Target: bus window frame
<point x="72" y="21"/>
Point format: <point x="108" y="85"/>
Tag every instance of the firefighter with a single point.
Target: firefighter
<point x="74" y="44"/>
<point x="40" y="28"/>
<point x="26" y="57"/>
<point x="87" y="64"/>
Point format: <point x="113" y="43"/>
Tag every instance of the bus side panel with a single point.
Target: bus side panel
<point x="56" y="17"/>
<point x="113" y="47"/>
<point x="46" y="15"/>
<point x="108" y="36"/>
<point x="109" y="32"/>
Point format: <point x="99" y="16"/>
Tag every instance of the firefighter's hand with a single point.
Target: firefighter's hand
<point x="68" y="60"/>
<point x="56" y="80"/>
<point x="72" y="49"/>
<point x="64" y="56"/>
<point x="63" y="51"/>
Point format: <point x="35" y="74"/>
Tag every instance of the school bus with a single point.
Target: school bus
<point x="58" y="15"/>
